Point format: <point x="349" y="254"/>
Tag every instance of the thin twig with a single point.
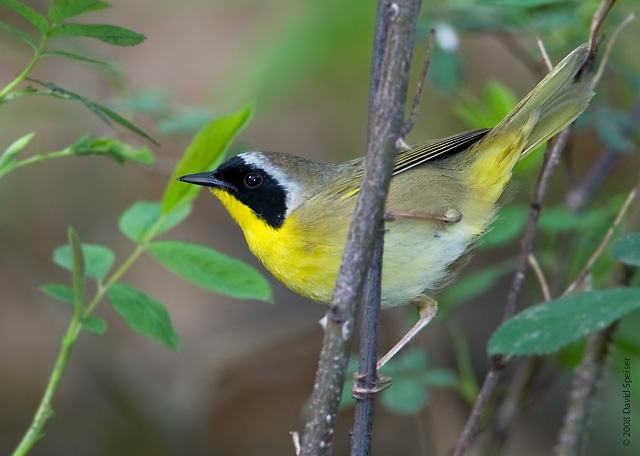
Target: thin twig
<point x="543" y="52"/>
<point x="605" y="240"/>
<point x="607" y="51"/>
<point x="579" y="196"/>
<point x="572" y="436"/>
<point x="544" y="286"/>
<point x="516" y="49"/>
<point x="415" y="108"/>
<point x="596" y="22"/>
<point x="390" y="70"/>
<point x="551" y="160"/>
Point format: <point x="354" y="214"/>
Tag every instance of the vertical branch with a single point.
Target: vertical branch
<point x="551" y="160"/>
<point x="393" y="48"/>
<point x="572" y="436"/>
<point x="363" y="419"/>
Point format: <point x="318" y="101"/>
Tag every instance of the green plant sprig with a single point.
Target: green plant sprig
<point x="142" y="223"/>
<point x="56" y="25"/>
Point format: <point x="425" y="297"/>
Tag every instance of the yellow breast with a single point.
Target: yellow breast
<point x="309" y="268"/>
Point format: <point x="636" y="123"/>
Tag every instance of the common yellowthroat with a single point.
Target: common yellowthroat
<point x="295" y="213"/>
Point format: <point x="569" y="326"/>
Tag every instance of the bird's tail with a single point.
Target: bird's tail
<point x="552" y="105"/>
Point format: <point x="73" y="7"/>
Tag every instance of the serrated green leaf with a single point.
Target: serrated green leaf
<point x="77" y="263"/>
<point x="117" y="150"/>
<point x="23" y="36"/>
<point x="206" y="151"/>
<point x="58" y="291"/>
<point x="143" y="314"/>
<point x="71" y="55"/>
<point x="211" y="270"/>
<point x="117" y="118"/>
<point x="110" y="34"/>
<point x="15" y="148"/>
<point x="94" y="324"/>
<point x="142" y="216"/>
<point x="547" y="327"/>
<point x="98" y="259"/>
<point x="627" y="249"/>
<point x="28" y="13"/>
<point x="59" y="10"/>
<point x="407" y="396"/>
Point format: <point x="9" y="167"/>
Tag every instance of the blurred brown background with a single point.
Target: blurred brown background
<point x="245" y="369"/>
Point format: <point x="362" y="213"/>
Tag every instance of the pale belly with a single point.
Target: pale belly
<point x="416" y="259"/>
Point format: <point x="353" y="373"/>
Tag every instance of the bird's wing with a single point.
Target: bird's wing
<point x="442" y="148"/>
<point x="408" y="158"/>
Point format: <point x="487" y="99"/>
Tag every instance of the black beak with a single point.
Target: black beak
<point x="207" y="179"/>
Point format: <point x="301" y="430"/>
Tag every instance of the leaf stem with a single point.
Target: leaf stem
<point x="45" y="411"/>
<point x="15" y="164"/>
<point x="22" y="76"/>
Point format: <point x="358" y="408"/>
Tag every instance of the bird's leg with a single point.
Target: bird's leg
<point x="450" y="216"/>
<point x="427" y="309"/>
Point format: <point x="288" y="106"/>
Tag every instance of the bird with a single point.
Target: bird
<point x="295" y="213"/>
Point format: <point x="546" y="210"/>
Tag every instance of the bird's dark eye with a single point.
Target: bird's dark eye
<point x="252" y="180"/>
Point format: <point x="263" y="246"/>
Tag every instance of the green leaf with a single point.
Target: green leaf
<point x="562" y="219"/>
<point x="77" y="270"/>
<point x="186" y="121"/>
<point x="477" y="282"/>
<point x="627" y="249"/>
<point x="407" y="396"/>
<point x="110" y="34"/>
<point x="61" y="92"/>
<point x="117" y="150"/>
<point x="28" y="13"/>
<point x="15" y="148"/>
<point x="142" y="216"/>
<point x="117" y="118"/>
<point x="94" y="325"/>
<point x="615" y="129"/>
<point x="71" y="55"/>
<point x="547" y="327"/>
<point x="500" y="100"/>
<point x="24" y="37"/>
<point x="101" y="111"/>
<point x="441" y="378"/>
<point x="206" y="151"/>
<point x="98" y="259"/>
<point x="143" y="314"/>
<point x="15" y="94"/>
<point x="446" y="70"/>
<point x="211" y="270"/>
<point x="507" y="226"/>
<point x="58" y="291"/>
<point x="59" y="10"/>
